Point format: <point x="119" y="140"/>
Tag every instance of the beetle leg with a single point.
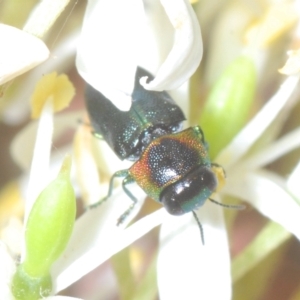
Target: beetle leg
<point x="127" y="180"/>
<point x="118" y="174"/>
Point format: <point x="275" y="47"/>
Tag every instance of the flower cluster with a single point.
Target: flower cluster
<point x="244" y="94"/>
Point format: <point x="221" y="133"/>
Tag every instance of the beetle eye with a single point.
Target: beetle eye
<point x="190" y="192"/>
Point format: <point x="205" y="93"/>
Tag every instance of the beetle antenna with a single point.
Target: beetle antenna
<point x="200" y="227"/>
<point x="230" y="206"/>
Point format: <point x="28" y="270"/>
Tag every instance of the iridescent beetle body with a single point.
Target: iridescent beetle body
<point x="168" y="163"/>
<point x="172" y="166"/>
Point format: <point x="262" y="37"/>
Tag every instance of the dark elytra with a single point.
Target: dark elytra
<point x="152" y="114"/>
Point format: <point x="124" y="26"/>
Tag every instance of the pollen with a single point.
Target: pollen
<point x="57" y="88"/>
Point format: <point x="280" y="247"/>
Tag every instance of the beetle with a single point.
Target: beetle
<point x="170" y="164"/>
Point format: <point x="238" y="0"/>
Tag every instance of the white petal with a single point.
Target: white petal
<point x="227" y="29"/>
<point x="41" y="157"/>
<point x="44" y="15"/>
<point x="186" y="54"/>
<point x="254" y="129"/>
<point x="108" y="47"/>
<point x="155" y="43"/>
<point x="7" y="270"/>
<point x="19" y="52"/>
<point x="277" y="149"/>
<point x="181" y="96"/>
<point x="268" y="194"/>
<point x="22" y="146"/>
<point x="62" y="58"/>
<point x="87" y="172"/>
<point x="96" y="238"/>
<point x="186" y="268"/>
<point x="293" y="182"/>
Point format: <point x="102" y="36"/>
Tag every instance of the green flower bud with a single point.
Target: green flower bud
<point x="48" y="230"/>
<point x="228" y="104"/>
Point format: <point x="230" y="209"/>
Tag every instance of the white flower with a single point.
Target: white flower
<point x="186" y="268"/>
<point x="115" y="41"/>
<point x="19" y="52"/>
<point x="107" y="58"/>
